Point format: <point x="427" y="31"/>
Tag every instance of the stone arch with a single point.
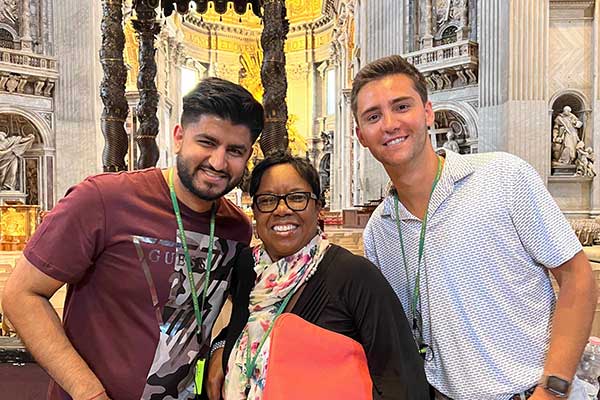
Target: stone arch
<point x="443" y="28"/>
<point x="578" y="95"/>
<point x="461" y="119"/>
<point x="466" y="111"/>
<point x="42" y="126"/>
<point x="10" y="30"/>
<point x="575" y="99"/>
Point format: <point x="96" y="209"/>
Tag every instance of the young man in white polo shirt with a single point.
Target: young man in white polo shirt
<point x="467" y="243"/>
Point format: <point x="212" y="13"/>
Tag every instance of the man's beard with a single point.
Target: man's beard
<point x="186" y="176"/>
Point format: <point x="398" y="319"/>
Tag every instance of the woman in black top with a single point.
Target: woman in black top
<point x="333" y="288"/>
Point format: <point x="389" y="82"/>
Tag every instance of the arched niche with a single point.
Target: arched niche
<point x="35" y="171"/>
<point x="8" y="37"/>
<point x="567" y="132"/>
<point x="572" y="98"/>
<point x="458" y="118"/>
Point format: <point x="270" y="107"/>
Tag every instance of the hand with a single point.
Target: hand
<point x="214" y="381"/>
<point x="541" y="394"/>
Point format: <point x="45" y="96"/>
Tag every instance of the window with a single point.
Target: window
<point x="189" y="80"/>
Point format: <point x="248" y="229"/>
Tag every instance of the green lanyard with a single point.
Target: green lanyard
<point x="188" y="263"/>
<point x="416" y="292"/>
<point x="251" y="361"/>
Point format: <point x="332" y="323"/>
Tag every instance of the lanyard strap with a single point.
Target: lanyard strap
<point x="416" y="291"/>
<point x="188" y="260"/>
<point x="251" y="361"/>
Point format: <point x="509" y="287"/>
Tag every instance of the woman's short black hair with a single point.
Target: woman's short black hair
<point x="302" y="165"/>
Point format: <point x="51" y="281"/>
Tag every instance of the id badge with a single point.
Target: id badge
<point x="199" y="375"/>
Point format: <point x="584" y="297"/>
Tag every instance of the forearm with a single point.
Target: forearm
<point x="571" y="326"/>
<point x="40" y="329"/>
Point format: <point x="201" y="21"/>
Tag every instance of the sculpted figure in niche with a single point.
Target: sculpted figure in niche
<point x="11" y="150"/>
<point x="584" y="161"/>
<point x="565" y="137"/>
<point x="451" y="144"/>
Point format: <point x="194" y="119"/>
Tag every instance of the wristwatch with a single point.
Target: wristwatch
<point x="556" y="386"/>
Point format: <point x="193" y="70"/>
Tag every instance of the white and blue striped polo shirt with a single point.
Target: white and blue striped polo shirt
<point x="486" y="297"/>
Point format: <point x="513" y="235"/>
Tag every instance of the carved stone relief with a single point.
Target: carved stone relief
<point x="16" y="125"/>
<point x="23" y="84"/>
<point x="9" y="13"/>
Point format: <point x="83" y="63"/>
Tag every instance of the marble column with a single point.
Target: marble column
<point x="384" y="35"/>
<point x="26" y="40"/>
<point x="79" y="139"/>
<point x="513" y="80"/>
<point x="427" y="39"/>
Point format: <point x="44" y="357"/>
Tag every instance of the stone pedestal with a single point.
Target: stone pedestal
<point x="12" y="197"/>
<point x="559" y="169"/>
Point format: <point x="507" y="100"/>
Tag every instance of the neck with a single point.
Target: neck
<point x="184" y="195"/>
<point x="413" y="182"/>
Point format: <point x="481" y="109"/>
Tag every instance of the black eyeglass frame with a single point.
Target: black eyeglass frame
<point x="284" y="197"/>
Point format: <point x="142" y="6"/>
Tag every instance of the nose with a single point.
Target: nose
<point x="217" y="159"/>
<point x="388" y="122"/>
<point x="282" y="208"/>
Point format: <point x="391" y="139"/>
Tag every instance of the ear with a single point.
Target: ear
<point x="360" y="137"/>
<point x="429" y="114"/>
<point x="177" y="138"/>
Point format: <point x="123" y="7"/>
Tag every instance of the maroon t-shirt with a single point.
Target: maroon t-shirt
<point x="128" y="309"/>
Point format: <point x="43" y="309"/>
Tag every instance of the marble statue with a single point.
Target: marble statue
<point x="11" y="150"/>
<point x="451" y="144"/>
<point x="565" y="137"/>
<point x="585" y="161"/>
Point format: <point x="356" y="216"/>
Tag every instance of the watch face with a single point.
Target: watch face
<point x="557" y="385"/>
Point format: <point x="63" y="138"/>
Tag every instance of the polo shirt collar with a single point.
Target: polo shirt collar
<point x="456" y="168"/>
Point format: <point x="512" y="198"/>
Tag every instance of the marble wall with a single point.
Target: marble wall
<point x="79" y="140"/>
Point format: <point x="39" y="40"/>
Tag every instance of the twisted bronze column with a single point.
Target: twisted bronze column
<point x="147" y="28"/>
<point x="112" y="87"/>
<point x="273" y="76"/>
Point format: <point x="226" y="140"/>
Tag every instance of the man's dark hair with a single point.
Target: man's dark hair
<point x="302" y="165"/>
<point x="223" y="99"/>
<point x="381" y="68"/>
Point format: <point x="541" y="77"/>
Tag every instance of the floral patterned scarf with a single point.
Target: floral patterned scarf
<point x="274" y="280"/>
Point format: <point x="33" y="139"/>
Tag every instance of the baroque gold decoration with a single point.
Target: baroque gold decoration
<point x="131" y="57"/>
<point x="17" y="224"/>
<point x="303" y="10"/>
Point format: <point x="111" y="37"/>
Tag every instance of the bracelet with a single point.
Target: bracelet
<point x="216" y="346"/>
<point x="98" y="395"/>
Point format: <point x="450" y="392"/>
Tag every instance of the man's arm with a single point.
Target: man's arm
<point x="26" y="304"/>
<point x="572" y="321"/>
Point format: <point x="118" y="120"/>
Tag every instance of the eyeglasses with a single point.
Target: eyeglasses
<point x="295" y="201"/>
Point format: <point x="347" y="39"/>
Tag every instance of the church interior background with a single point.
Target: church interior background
<point x="501" y="74"/>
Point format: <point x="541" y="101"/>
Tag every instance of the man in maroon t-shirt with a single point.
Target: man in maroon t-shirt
<point x="130" y="326"/>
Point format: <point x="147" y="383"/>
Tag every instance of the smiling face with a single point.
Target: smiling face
<point x="393" y="121"/>
<point x="211" y="156"/>
<point x="284" y="231"/>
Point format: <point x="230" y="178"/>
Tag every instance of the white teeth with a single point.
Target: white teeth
<point x="396" y="141"/>
<point x="284" y="228"/>
<point x="211" y="173"/>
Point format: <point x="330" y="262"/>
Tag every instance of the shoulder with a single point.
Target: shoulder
<point x="233" y="222"/>
<point x="494" y="160"/>
<point x="127" y="179"/>
<point x="346" y="266"/>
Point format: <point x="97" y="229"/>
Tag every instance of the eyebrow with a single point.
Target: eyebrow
<point x="208" y="136"/>
<point x="394" y="101"/>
